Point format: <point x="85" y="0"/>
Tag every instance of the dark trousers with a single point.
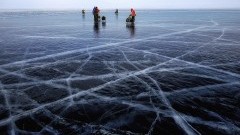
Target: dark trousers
<point x="95" y="17"/>
<point x="133" y="18"/>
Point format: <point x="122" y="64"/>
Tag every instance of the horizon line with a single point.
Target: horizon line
<point x="60" y="9"/>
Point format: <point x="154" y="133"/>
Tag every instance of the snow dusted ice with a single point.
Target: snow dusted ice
<point x="174" y="72"/>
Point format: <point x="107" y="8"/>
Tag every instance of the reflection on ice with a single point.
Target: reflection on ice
<point x="96" y="28"/>
<point x="131" y="28"/>
<point x="104" y="25"/>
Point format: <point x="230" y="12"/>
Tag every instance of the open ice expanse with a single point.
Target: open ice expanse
<point x="174" y="72"/>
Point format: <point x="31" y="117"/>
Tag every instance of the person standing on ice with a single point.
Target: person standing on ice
<point x="96" y="14"/>
<point x="133" y="14"/>
<point x="83" y="12"/>
<point x="116" y="12"/>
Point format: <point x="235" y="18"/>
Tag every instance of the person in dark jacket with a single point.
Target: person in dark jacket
<point x="83" y="11"/>
<point x="116" y="12"/>
<point x="96" y="12"/>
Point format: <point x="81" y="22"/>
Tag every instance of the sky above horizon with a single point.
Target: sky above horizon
<point x="121" y="4"/>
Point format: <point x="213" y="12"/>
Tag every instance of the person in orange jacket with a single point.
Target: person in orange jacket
<point x="133" y="14"/>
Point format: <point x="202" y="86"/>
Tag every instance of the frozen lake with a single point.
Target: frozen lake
<point x="173" y="72"/>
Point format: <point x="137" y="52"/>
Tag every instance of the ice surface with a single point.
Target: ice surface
<point x="174" y="72"/>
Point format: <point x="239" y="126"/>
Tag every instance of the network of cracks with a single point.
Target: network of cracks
<point x="181" y="82"/>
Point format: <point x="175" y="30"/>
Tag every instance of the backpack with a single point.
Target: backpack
<point x="94" y="9"/>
